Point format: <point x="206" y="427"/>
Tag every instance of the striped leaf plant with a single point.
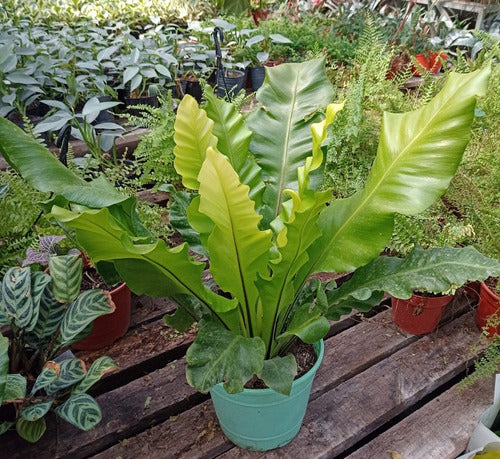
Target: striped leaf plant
<point x="256" y="212"/>
<point x="46" y="313"/>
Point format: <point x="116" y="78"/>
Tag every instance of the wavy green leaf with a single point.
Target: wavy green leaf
<point x="98" y="368"/>
<point x="66" y="274"/>
<point x="307" y="323"/>
<point x="46" y="173"/>
<point x="31" y="431"/>
<point x="193" y="135"/>
<point x="218" y="355"/>
<point x="89" y="305"/>
<point x="36" y="411"/>
<point x="16" y="295"/>
<point x="81" y="410"/>
<point x="281" y="139"/>
<point x="433" y="270"/>
<point x="417" y="156"/>
<point x="278" y="373"/>
<point x="159" y="265"/>
<point x="225" y="200"/>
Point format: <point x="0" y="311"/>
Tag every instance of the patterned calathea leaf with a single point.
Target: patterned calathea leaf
<point x="90" y="305"/>
<point x="16" y="295"/>
<point x="4" y="365"/>
<point x="71" y="371"/>
<point x="15" y="388"/>
<point x="102" y="365"/>
<point x="36" y="411"/>
<point x="4" y="426"/>
<point x="39" y="282"/>
<point x="50" y="314"/>
<point x="66" y="274"/>
<point x="48" y="375"/>
<point x="31" y="431"/>
<point x="81" y="410"/>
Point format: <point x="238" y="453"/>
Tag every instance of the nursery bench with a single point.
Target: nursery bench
<point x="378" y="390"/>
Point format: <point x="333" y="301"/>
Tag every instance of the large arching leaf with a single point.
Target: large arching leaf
<point x="193" y="135"/>
<point x="418" y="155"/>
<point x="225" y="200"/>
<point x="281" y="138"/>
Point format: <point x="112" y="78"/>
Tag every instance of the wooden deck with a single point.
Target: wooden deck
<point x="378" y="390"/>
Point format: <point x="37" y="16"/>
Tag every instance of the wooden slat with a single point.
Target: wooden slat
<point x="196" y="432"/>
<point x="126" y="411"/>
<point x="440" y="429"/>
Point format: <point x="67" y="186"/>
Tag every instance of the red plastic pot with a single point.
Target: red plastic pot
<point x="419" y="314"/>
<point x="488" y="305"/>
<point x="108" y="328"/>
<point x="431" y="62"/>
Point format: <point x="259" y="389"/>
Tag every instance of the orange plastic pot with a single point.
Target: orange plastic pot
<point x="419" y="315"/>
<point x="108" y="328"/>
<point x="488" y="305"/>
<point x="431" y="62"/>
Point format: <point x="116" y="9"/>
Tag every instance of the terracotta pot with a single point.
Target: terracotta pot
<point x="489" y="303"/>
<point x="419" y="314"/>
<point x="431" y="62"/>
<point x="108" y="328"/>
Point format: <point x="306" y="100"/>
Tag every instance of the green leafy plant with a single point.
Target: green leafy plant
<point x="259" y="215"/>
<point x="46" y="313"/>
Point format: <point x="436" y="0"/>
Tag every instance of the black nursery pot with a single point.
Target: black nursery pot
<point x="231" y="83"/>
<point x="130" y="102"/>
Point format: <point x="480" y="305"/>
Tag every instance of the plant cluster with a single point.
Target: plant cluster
<point x="265" y="225"/>
<point x="46" y="313"/>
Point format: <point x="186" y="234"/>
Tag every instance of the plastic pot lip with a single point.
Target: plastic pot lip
<point x="319" y="353"/>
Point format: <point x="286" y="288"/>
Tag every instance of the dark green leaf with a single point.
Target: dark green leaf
<point x="31" y="431"/>
<point x="279" y="372"/>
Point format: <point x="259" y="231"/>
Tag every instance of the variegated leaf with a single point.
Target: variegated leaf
<point x="5" y="319"/>
<point x="5" y="426"/>
<point x="50" y="314"/>
<point x="66" y="274"/>
<point x="36" y="411"/>
<point x="39" y="281"/>
<point x="90" y="305"/>
<point x="4" y="365"/>
<point x="101" y="366"/>
<point x="15" y="388"/>
<point x="16" y="295"/>
<point x="81" y="410"/>
<point x="31" y="431"/>
<point x="48" y="375"/>
<point x="71" y="371"/>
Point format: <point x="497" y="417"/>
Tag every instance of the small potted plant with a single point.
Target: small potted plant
<point x="106" y="329"/>
<point x="46" y="314"/>
<point x="258" y="214"/>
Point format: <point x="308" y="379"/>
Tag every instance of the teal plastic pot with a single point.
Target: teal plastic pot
<point x="262" y="419"/>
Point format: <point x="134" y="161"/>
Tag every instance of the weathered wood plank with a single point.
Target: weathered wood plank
<point x="346" y="414"/>
<point x="441" y="428"/>
<point x="198" y="435"/>
<point x="127" y="410"/>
